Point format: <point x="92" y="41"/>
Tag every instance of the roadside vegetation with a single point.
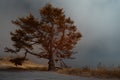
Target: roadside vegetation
<point x="92" y="72"/>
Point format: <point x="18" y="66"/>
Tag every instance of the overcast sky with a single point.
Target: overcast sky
<point x="97" y="20"/>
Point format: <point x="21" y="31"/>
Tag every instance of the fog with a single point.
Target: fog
<point x="97" y="20"/>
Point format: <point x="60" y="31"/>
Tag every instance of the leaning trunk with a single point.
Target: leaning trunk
<point x="51" y="64"/>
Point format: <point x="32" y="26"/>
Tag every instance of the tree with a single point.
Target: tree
<point x="54" y="33"/>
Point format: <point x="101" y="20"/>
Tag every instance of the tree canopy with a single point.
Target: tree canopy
<point x="54" y="33"/>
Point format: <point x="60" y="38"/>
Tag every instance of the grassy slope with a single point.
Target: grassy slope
<point x="5" y="64"/>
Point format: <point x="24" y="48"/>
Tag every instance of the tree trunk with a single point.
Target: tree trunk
<point x="51" y="64"/>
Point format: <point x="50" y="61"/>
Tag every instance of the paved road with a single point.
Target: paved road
<point x="32" y="75"/>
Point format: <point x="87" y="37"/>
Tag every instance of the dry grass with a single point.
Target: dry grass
<point x="5" y="64"/>
<point x="87" y="72"/>
<point x="70" y="71"/>
<point x="107" y="73"/>
<point x="25" y="69"/>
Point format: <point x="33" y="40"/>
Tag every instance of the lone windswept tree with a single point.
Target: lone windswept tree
<point x="54" y="33"/>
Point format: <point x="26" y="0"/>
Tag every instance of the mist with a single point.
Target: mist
<point x="97" y="20"/>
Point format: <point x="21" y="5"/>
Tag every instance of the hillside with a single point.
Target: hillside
<point x="5" y="64"/>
